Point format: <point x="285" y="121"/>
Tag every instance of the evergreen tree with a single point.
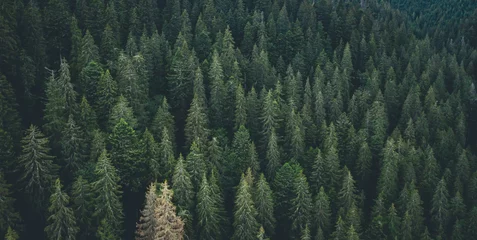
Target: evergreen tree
<point x="301" y="204"/>
<point x="62" y="222"/>
<point x="245" y="224"/>
<point x="347" y="195"/>
<point x="208" y="212"/>
<point x="440" y="206"/>
<point x="273" y="155"/>
<point x="125" y="155"/>
<point x="163" y="119"/>
<point x="195" y="164"/>
<point x="196" y="123"/>
<point x="73" y="146"/>
<point x="145" y="228"/>
<point x="81" y="201"/>
<point x="106" y="96"/>
<point x="168" y="224"/>
<point x="9" y="217"/>
<point x="182" y="186"/>
<point x="36" y="165"/>
<point x="11" y="234"/>
<point x="263" y="200"/>
<point x="240" y="108"/>
<point x="217" y="91"/>
<point x="107" y="196"/>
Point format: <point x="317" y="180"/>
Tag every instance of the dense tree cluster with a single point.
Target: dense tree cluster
<point x="243" y="120"/>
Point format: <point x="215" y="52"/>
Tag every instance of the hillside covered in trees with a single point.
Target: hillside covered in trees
<point x="238" y="119"/>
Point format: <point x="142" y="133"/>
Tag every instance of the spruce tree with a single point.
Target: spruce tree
<point x="168" y="224"/>
<point x="301" y="204"/>
<point x="107" y="195"/>
<point x="273" y="155"/>
<point x="125" y="155"/>
<point x="263" y="200"/>
<point x="196" y="126"/>
<point x="81" y="202"/>
<point x="36" y="165"/>
<point x="11" y="234"/>
<point x="73" y="146"/>
<point x="145" y="228"/>
<point x="62" y="222"/>
<point x="9" y="217"/>
<point x="217" y="91"/>
<point x="208" y="212"/>
<point x="182" y="186"/>
<point x="440" y="206"/>
<point x="245" y="223"/>
<point x="122" y="110"/>
<point x="195" y="164"/>
<point x="106" y="94"/>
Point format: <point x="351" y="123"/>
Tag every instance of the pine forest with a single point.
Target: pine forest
<point x="238" y="119"/>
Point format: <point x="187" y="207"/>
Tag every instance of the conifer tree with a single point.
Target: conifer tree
<point x="145" y="228"/>
<point x="125" y="155"/>
<point x="301" y="204"/>
<point x="387" y="182"/>
<point x="107" y="196"/>
<point x="122" y="110"/>
<point x="163" y="119"/>
<point x="245" y="224"/>
<point x="11" y="234"/>
<point x="81" y="202"/>
<point x="166" y="154"/>
<point x="36" y="165"/>
<point x="217" y="91"/>
<point x="61" y="101"/>
<point x="182" y="186"/>
<point x="347" y="195"/>
<point x="273" y="155"/>
<point x="195" y="164"/>
<point x="62" y="222"/>
<point x="196" y="123"/>
<point x="169" y="225"/>
<point x="106" y="95"/>
<point x="87" y="118"/>
<point x="263" y="200"/>
<point x="284" y="189"/>
<point x="393" y="223"/>
<point x="181" y="74"/>
<point x="208" y="215"/>
<point x="340" y="232"/>
<point x="73" y="146"/>
<point x="440" y="206"/>
<point x="9" y="217"/>
<point x="151" y="154"/>
<point x="240" y="108"/>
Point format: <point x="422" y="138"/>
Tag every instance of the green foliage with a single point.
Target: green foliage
<point x="245" y="224"/>
<point x="62" y="223"/>
<point x="36" y="165"/>
<point x="107" y="196"/>
<point x="126" y="155"/>
<point x="9" y="218"/>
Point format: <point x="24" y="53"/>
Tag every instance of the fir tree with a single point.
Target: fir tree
<point x="245" y="224"/>
<point x="145" y="228"/>
<point x="62" y="222"/>
<point x="168" y="225"/>
<point x="125" y="155"/>
<point x="301" y="204"/>
<point x="36" y="165"/>
<point x="9" y="217"/>
<point x="196" y="123"/>
<point x="208" y="212"/>
<point x="263" y="200"/>
<point x="182" y="186"/>
<point x="107" y="195"/>
<point x="195" y="164"/>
